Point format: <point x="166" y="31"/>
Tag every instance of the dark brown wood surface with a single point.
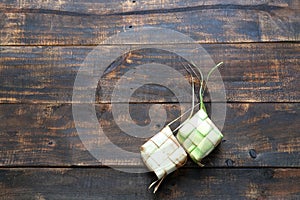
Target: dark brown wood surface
<point x="114" y="6"/>
<point x="45" y="135"/>
<point x="253" y="72"/>
<point x="105" y="183"/>
<point x="44" y="43"/>
<point x="214" y="23"/>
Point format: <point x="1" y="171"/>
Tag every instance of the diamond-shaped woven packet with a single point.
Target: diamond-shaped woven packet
<point x="163" y="154"/>
<point x="199" y="136"/>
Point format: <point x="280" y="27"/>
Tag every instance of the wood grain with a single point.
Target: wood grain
<point x="101" y="183"/>
<point x="216" y="23"/>
<point x="45" y="135"/>
<point x="252" y="73"/>
<point x="44" y="43"/>
<point x="117" y="7"/>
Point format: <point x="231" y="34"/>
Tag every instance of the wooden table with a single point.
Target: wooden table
<point x="44" y="43"/>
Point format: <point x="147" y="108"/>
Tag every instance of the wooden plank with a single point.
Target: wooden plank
<point x="103" y="183"/>
<point x="114" y="6"/>
<point x="256" y="134"/>
<point x="251" y="73"/>
<point x="209" y="24"/>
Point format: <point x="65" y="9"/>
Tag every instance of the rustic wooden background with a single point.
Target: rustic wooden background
<point x="43" y="44"/>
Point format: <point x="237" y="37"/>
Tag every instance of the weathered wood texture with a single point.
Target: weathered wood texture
<point x="251" y="73"/>
<point x="123" y="7"/>
<point x="45" y="135"/>
<point x="63" y="24"/>
<point x="101" y="183"/>
<point x="44" y="43"/>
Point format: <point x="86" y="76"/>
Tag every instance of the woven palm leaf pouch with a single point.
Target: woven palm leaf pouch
<point x="162" y="153"/>
<point x="199" y="135"/>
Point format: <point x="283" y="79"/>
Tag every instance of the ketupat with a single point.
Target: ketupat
<point x="163" y="154"/>
<point x="198" y="134"/>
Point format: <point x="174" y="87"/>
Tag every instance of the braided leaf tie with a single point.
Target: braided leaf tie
<point x="199" y="136"/>
<point x="162" y="153"/>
